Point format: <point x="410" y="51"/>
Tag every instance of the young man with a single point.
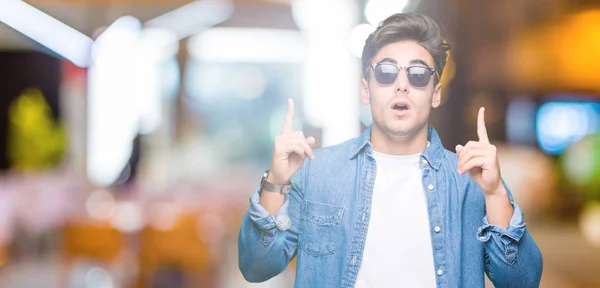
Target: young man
<point x="391" y="208"/>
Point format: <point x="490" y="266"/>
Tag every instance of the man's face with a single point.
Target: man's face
<point x="410" y="116"/>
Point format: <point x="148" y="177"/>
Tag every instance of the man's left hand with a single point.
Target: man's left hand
<point x="480" y="159"/>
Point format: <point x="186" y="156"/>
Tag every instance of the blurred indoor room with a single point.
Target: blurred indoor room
<point x="133" y="132"/>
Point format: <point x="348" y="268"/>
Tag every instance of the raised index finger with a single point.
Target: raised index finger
<point x="481" y="130"/>
<point x="289" y="118"/>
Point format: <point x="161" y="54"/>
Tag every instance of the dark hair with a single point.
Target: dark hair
<point x="408" y="26"/>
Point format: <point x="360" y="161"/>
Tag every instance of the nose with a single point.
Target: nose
<point x="402" y="85"/>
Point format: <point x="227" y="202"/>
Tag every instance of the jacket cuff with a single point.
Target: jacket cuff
<point x="516" y="226"/>
<point x="261" y="218"/>
<point x="505" y="239"/>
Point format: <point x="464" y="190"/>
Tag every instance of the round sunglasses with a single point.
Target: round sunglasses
<point x="386" y="73"/>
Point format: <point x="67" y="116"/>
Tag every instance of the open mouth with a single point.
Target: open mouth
<point x="400" y="107"/>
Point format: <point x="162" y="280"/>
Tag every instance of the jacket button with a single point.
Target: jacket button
<point x="437" y="229"/>
<point x="283" y="222"/>
<point x="331" y="248"/>
<point x="440" y="272"/>
<point x="430" y="187"/>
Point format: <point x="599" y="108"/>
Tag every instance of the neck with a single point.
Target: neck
<point x="395" y="145"/>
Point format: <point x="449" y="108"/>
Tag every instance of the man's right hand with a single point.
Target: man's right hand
<point x="290" y="150"/>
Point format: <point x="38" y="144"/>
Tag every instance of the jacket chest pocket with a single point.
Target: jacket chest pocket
<point x="320" y="228"/>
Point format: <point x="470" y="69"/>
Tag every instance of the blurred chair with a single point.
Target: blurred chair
<point x="95" y="241"/>
<point x="3" y="255"/>
<point x="178" y="250"/>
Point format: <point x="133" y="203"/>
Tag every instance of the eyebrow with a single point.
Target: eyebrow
<point x="412" y="62"/>
<point x="419" y="61"/>
<point x="388" y="60"/>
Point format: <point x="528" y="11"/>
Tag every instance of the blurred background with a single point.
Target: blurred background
<point x="133" y="132"/>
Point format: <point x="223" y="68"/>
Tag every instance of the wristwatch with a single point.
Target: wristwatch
<point x="275" y="188"/>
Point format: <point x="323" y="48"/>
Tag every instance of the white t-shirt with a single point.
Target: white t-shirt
<point x="398" y="250"/>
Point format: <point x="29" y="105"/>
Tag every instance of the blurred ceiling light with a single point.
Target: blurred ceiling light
<point x="155" y="47"/>
<point x="158" y="43"/>
<point x="123" y="32"/>
<point x="128" y="217"/>
<point x="328" y="90"/>
<point x="98" y="277"/>
<point x="569" y="45"/>
<point x="589" y="224"/>
<point x="112" y="100"/>
<point x="248" y="45"/>
<point x="577" y="43"/>
<point x="559" y="124"/>
<point x="377" y="10"/>
<point x="357" y="38"/>
<point x="100" y="204"/>
<point x="194" y="17"/>
<point x="46" y="30"/>
<point x="581" y="163"/>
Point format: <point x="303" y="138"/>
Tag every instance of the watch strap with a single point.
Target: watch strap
<point x="277" y="188"/>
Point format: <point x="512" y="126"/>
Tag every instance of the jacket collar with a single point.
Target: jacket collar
<point x="433" y="154"/>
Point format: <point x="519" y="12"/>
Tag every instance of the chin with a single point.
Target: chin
<point x="403" y="129"/>
<point x="404" y="133"/>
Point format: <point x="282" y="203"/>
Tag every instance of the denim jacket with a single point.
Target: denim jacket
<point x="325" y="217"/>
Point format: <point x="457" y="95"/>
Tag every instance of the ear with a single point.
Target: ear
<point x="437" y="96"/>
<point x="365" y="96"/>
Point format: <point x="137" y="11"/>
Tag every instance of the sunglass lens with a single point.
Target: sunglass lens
<point x="419" y="76"/>
<point x="386" y="74"/>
